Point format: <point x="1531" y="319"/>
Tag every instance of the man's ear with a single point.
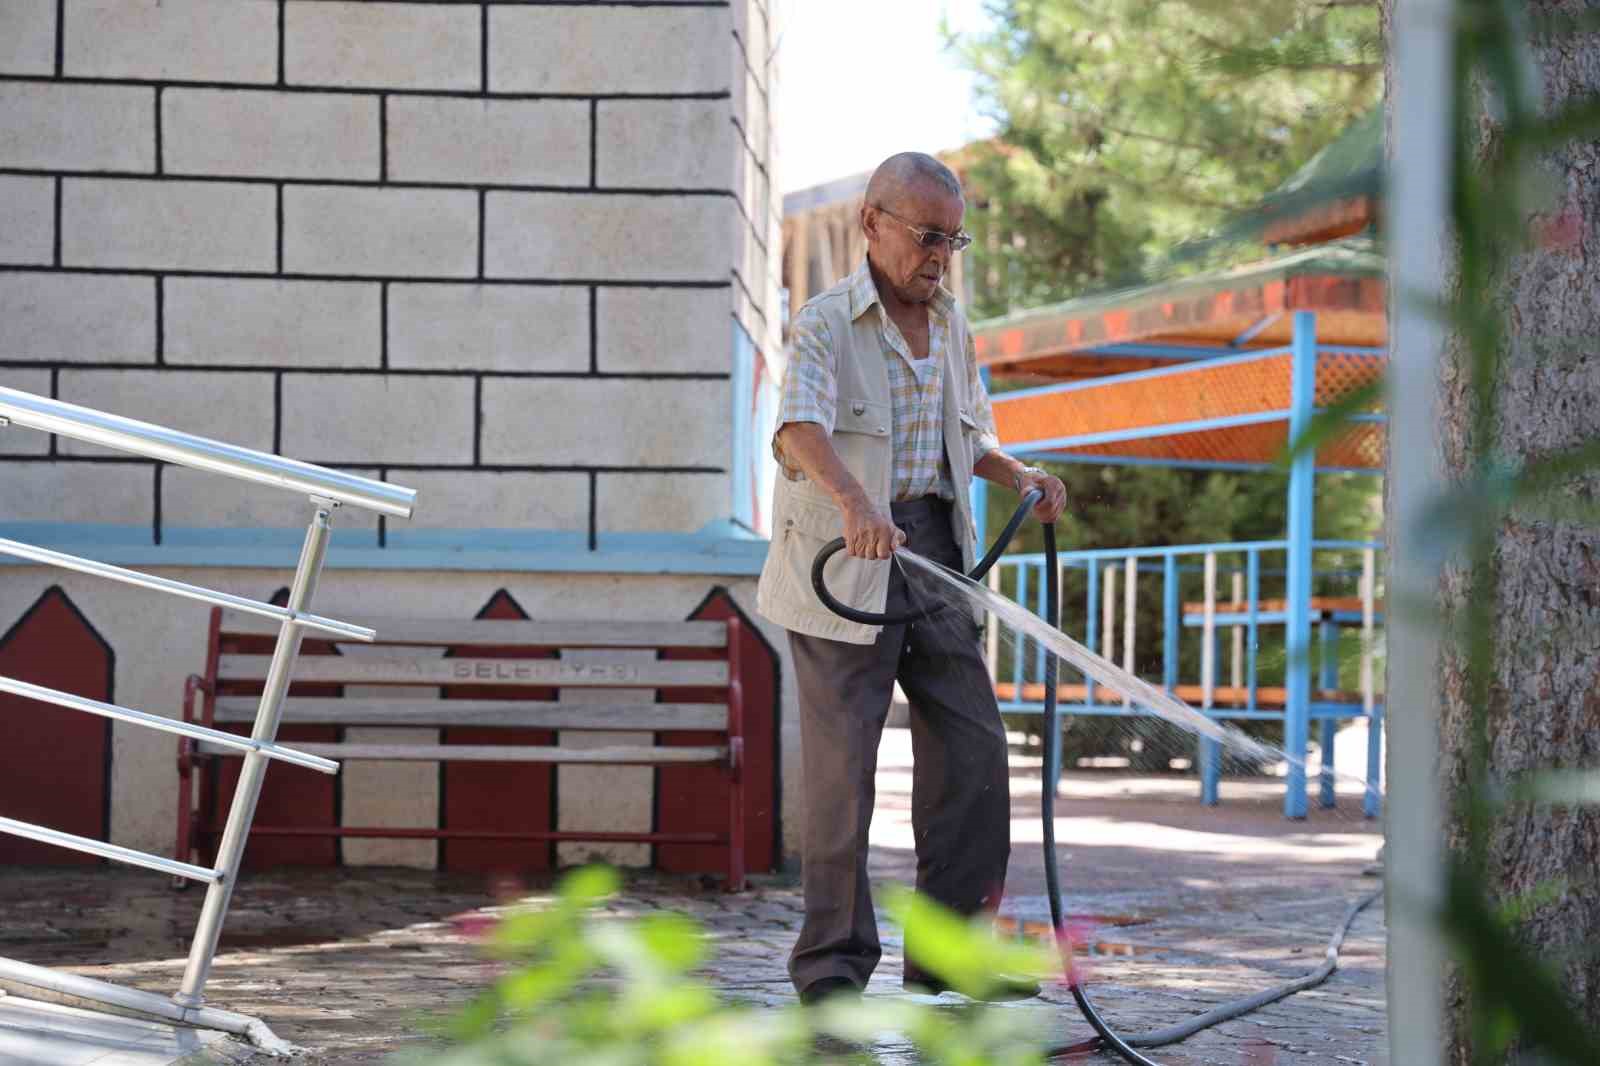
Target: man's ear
<point x="869" y="221"/>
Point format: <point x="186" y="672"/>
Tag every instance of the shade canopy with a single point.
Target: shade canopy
<point x="1197" y="371"/>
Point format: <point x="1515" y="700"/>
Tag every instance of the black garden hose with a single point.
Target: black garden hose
<point x="833" y="547"/>
<point x="1105" y="1037"/>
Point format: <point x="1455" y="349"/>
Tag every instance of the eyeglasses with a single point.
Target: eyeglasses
<point x="931" y="238"/>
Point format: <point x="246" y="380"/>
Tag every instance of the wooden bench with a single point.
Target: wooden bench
<point x="495" y="678"/>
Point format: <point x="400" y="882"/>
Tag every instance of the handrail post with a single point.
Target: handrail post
<point x="248" y="791"/>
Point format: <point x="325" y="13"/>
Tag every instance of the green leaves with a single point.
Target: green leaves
<point x="1129" y="127"/>
<point x="601" y="989"/>
<point x="1566" y="788"/>
<point x="1326" y="425"/>
<point x="1515" y="995"/>
<point x="966" y="955"/>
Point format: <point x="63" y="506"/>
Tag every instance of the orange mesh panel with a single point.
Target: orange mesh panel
<point x="1194" y="394"/>
<point x="1359" y="447"/>
<point x="1342" y="372"/>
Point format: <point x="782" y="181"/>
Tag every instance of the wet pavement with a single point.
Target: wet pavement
<point x="1184" y="907"/>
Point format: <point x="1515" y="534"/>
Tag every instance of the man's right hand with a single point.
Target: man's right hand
<point x="867" y="533"/>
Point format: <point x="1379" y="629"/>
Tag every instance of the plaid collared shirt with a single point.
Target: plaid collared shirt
<point x="916" y="389"/>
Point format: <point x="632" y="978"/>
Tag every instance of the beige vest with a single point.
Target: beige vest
<point x="804" y="516"/>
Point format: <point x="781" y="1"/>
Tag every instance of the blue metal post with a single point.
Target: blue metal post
<point x="1328" y="648"/>
<point x="1091" y="631"/>
<point x="1252" y="632"/>
<point x="1169" y="623"/>
<point x="1042" y="613"/>
<point x="980" y="493"/>
<point x="1302" y="487"/>
<point x="1211" y="750"/>
<point x="1019" y="653"/>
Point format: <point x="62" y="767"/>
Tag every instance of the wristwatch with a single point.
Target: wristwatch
<point x="1029" y="471"/>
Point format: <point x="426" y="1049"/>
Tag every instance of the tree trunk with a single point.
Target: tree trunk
<point x="1544" y="707"/>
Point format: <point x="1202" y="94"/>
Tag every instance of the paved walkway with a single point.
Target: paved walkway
<point x="1196" y="907"/>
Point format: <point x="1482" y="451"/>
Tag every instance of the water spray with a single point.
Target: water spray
<point x="1058" y="646"/>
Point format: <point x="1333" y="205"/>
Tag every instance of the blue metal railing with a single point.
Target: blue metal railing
<point x="1344" y="596"/>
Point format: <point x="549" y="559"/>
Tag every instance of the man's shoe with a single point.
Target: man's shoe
<point x="1004" y="990"/>
<point x="827" y="988"/>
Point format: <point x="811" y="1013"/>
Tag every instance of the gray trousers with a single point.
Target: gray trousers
<point x="960" y="803"/>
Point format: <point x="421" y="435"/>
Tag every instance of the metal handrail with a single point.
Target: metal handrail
<point x="46" y="835"/>
<point x="327" y="489"/>
<point x="202" y="453"/>
<point x="165" y="725"/>
<point x="347" y="630"/>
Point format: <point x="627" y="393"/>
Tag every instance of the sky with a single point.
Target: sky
<point x="862" y="79"/>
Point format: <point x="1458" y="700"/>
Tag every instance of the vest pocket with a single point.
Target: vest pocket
<point x="861" y="440"/>
<point x="861" y="416"/>
<point x="859" y="583"/>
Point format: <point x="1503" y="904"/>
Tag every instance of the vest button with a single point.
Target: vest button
<point x="859" y="408"/>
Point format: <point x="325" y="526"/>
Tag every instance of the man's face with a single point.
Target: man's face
<point x="912" y="271"/>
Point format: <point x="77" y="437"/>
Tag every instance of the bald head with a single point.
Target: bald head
<point x="909" y="175"/>
<point x="911" y="198"/>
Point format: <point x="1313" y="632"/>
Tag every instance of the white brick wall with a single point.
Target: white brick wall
<point x="601" y="48"/>
<point x="650" y="503"/>
<point x="27" y="219"/>
<point x="663" y="331"/>
<point x="119" y="494"/>
<point x="498" y="142"/>
<point x="584" y="422"/>
<point x="236" y="408"/>
<point x="397" y="232"/>
<point x="328" y="235"/>
<point x="167" y="225"/>
<point x="489" y="327"/>
<point x="28" y="36"/>
<point x="270" y="134"/>
<point x="344" y="418"/>
<point x="77" y="127"/>
<point x="77" y="318"/>
<point x="371" y="44"/>
<point x="616" y="237"/>
<point x="172" y="40"/>
<point x="265" y="322"/>
<point x="484" y="499"/>
<point x="639" y="144"/>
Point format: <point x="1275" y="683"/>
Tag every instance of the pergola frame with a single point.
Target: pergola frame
<point x="1136" y="330"/>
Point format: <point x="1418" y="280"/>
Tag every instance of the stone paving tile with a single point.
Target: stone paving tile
<point x="1198" y="907"/>
<point x="366" y="992"/>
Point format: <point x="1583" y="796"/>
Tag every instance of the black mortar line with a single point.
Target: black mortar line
<point x="156" y="510"/>
<point x="594" y="527"/>
<point x="594" y="329"/>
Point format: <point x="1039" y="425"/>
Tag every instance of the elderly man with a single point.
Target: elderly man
<point x="884" y="421"/>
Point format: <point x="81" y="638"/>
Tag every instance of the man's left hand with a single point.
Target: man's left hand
<point x="1055" y="493"/>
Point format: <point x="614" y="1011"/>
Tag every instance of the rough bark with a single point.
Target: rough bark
<point x="1544" y="708"/>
